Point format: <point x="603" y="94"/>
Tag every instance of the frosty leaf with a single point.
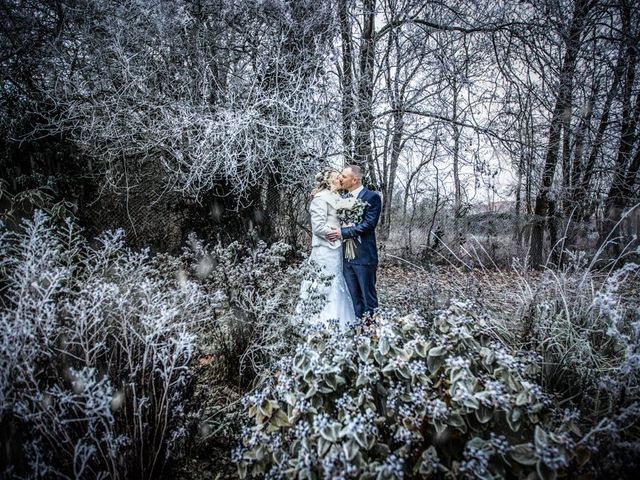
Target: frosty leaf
<point x="280" y="419"/>
<point x="364" y="349"/>
<point x="546" y="473"/>
<point x="524" y="454"/>
<point x="437" y="351"/>
<point x="541" y="438"/>
<point x="383" y="346"/>
<point x="350" y="449"/>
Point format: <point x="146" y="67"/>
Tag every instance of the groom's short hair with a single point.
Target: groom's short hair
<point x="356" y="170"/>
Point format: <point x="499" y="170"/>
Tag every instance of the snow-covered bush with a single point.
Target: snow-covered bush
<point x="585" y="324"/>
<point x="95" y="346"/>
<point x="405" y="397"/>
<point x="589" y="338"/>
<point x="258" y="287"/>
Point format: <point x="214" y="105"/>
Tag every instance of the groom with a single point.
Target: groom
<point x="360" y="273"/>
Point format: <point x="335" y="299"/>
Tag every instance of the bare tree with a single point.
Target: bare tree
<point x="545" y="202"/>
<point x="626" y="165"/>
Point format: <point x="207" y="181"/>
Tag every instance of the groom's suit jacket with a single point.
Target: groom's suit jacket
<point x="364" y="233"/>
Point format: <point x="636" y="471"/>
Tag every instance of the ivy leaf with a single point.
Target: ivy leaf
<point x="434" y="363"/>
<point x="266" y="408"/>
<point x="471" y="402"/>
<point x="323" y="446"/>
<point x="311" y="392"/>
<point x="522" y="398"/>
<point x="330" y="379"/>
<point x="438" y="351"/>
<point x="439" y="425"/>
<point x="484" y="414"/>
<point x="379" y="357"/>
<point x="456" y="420"/>
<point x="403" y="371"/>
<point x="361" y="439"/>
<point x="488" y="357"/>
<point x="362" y="380"/>
<point x="403" y="354"/>
<point x="330" y="433"/>
<point x="513" y="419"/>
<point x="421" y="349"/>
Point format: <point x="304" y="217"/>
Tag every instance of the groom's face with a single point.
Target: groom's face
<point x="348" y="180"/>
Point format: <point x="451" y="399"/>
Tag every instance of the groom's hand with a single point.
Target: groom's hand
<point x="334" y="234"/>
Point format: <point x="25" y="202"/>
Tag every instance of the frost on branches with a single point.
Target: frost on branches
<point x="259" y="291"/>
<point x="229" y="93"/>
<point x="95" y="346"/>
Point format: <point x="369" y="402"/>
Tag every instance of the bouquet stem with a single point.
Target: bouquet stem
<point x="349" y="249"/>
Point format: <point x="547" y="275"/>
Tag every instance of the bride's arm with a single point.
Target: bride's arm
<point x="318" y="210"/>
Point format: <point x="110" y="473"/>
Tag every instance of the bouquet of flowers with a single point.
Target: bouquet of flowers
<point x="350" y="211"/>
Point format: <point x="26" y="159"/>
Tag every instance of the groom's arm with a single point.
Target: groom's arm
<point x="369" y="219"/>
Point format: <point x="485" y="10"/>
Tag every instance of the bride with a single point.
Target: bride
<point x="337" y="309"/>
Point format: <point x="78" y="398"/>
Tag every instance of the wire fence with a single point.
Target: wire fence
<point x="162" y="220"/>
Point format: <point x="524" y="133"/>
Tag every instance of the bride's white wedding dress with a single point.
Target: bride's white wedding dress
<point x="337" y="309"/>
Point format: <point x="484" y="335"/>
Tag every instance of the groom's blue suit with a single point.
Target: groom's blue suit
<point x="360" y="273"/>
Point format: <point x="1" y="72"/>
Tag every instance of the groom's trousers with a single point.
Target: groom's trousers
<point x="361" y="280"/>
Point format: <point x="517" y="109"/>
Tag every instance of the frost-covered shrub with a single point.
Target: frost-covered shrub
<point x="588" y="336"/>
<point x="259" y="321"/>
<point x="258" y="289"/>
<point x="95" y="346"/>
<point x="405" y="397"/>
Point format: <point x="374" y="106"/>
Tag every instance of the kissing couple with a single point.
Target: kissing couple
<point x="343" y="247"/>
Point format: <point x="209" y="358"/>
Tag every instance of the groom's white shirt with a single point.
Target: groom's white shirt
<point x="323" y="218"/>
<point x="356" y="192"/>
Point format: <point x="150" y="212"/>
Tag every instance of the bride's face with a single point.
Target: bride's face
<point x="335" y="181"/>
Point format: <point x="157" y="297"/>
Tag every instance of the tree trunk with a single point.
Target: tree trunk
<point x="364" y="119"/>
<point x="581" y="190"/>
<point x="585" y="121"/>
<point x="398" y="131"/>
<point x="517" y="234"/>
<point x="457" y="200"/>
<point x="571" y="208"/>
<point x="563" y="101"/>
<point x="620" y="189"/>
<point x="347" y="80"/>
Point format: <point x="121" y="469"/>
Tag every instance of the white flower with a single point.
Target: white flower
<point x="346" y="203"/>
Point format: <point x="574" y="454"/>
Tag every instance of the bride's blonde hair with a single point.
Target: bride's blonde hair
<point x="323" y="181"/>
